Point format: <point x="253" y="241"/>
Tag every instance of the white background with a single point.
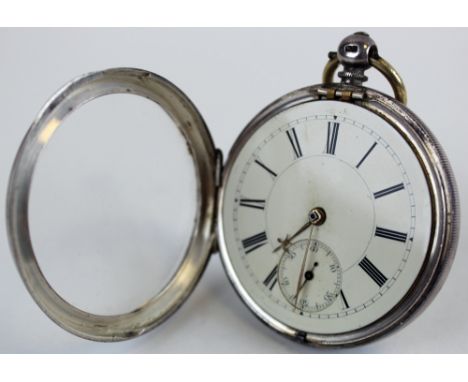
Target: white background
<point x="230" y="74"/>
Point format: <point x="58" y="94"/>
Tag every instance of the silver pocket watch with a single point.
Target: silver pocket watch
<point x="335" y="213"/>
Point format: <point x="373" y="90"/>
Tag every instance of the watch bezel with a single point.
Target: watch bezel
<point x="182" y="282"/>
<point x="444" y="201"/>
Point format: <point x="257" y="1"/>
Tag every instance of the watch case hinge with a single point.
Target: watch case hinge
<point x="218" y="181"/>
<point x="345" y="95"/>
<point x="301" y="336"/>
<point x="219" y="168"/>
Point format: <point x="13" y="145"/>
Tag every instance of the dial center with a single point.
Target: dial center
<point x="317" y="216"/>
<point x="309" y="275"/>
<point x="345" y="219"/>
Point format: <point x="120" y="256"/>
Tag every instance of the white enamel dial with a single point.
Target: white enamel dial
<point x="363" y="173"/>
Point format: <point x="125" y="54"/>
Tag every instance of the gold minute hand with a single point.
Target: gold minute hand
<point x="285" y="243"/>
<point x="316" y="216"/>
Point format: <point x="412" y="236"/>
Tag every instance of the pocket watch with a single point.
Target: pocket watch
<point x="335" y="213"/>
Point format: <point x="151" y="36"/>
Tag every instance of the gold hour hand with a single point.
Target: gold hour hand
<point x="316" y="217"/>
<point x="285" y="243"/>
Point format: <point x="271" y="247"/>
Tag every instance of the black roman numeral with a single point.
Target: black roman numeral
<point x="332" y="136"/>
<point x="265" y="168"/>
<point x="345" y="302"/>
<point x="389" y="190"/>
<point x="253" y="203"/>
<point x="390" y="234"/>
<point x="254" y="242"/>
<point x="366" y="154"/>
<point x="373" y="272"/>
<point x="272" y="278"/>
<point x="294" y="142"/>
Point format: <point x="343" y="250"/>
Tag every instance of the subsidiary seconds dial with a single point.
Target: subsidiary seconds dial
<point x="309" y="276"/>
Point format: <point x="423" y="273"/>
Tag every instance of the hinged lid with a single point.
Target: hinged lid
<point x="206" y="162"/>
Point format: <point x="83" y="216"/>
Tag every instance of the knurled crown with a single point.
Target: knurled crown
<point x="354" y="54"/>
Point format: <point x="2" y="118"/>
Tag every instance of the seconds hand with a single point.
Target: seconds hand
<point x="308" y="276"/>
<point x="303" y="267"/>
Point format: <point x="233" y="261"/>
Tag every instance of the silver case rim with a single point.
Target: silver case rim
<point x="445" y="204"/>
<point x="190" y="123"/>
